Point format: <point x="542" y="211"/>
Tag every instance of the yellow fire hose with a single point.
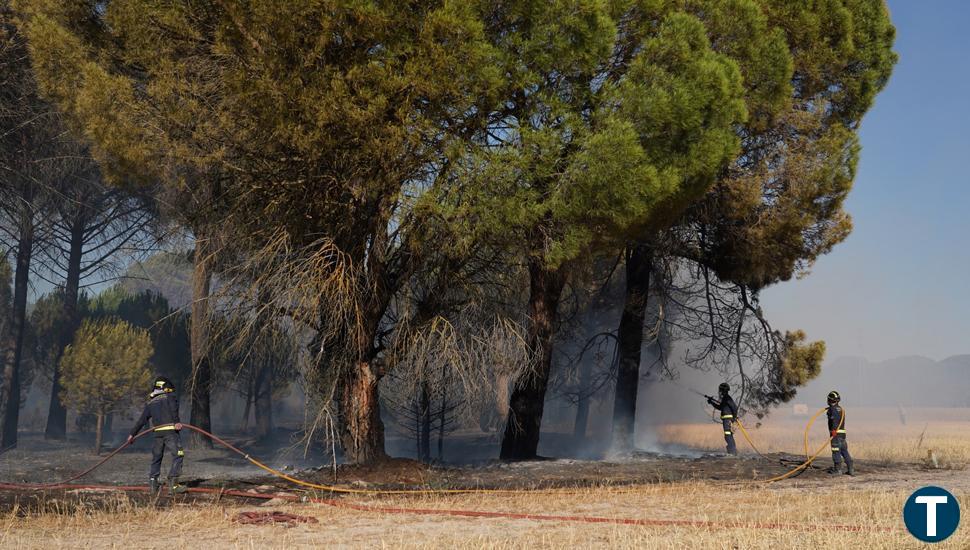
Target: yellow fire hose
<point x="809" y="458"/>
<point x="330" y="488"/>
<point x="336" y="489"/>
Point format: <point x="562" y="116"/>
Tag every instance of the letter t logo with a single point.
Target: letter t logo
<point x="931" y="502"/>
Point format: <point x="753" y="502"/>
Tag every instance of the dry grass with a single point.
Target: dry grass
<point x="209" y="526"/>
<point x="871" y="502"/>
<point x="873" y="434"/>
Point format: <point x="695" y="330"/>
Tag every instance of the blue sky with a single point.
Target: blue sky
<point x="900" y="284"/>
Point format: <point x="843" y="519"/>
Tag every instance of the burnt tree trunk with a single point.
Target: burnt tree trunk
<point x="424" y="425"/>
<point x="441" y="416"/>
<point x="201" y="382"/>
<point x="250" y="391"/>
<point x="57" y="413"/>
<point x="263" y="401"/>
<point x="18" y="325"/>
<point x="99" y="421"/>
<point x="639" y="262"/>
<point x="362" y="431"/>
<point x="521" y="440"/>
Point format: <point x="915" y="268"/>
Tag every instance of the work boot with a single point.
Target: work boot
<point x="849" y="471"/>
<point x="177" y="488"/>
<point x="153" y="485"/>
<point x="836" y="469"/>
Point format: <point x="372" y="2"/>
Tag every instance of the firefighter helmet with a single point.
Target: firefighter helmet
<point x="724" y="387"/>
<point x="834" y="397"/>
<point x="164" y="384"/>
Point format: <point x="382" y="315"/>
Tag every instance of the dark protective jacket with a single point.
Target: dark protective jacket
<point x="162" y="408"/>
<point x="834" y="415"/>
<point x="729" y="410"/>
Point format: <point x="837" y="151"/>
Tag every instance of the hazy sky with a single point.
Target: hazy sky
<point x="900" y="284"/>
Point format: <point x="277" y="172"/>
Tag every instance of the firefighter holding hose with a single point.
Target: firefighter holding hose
<point x="729" y="413"/>
<point x="840" y="449"/>
<point x="163" y="411"/>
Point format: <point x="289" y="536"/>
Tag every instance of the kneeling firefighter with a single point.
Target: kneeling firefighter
<point x="163" y="411"/>
<point x="840" y="449"/>
<point x="729" y="412"/>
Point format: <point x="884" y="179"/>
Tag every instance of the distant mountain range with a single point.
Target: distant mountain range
<point x="909" y="381"/>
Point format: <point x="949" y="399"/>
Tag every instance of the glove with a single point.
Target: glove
<point x="130" y="439"/>
<point x="178" y="426"/>
<point x="832" y="433"/>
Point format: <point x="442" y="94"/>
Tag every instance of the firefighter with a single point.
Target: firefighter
<point x="729" y="412"/>
<point x="840" y="449"/>
<point x="163" y="410"/>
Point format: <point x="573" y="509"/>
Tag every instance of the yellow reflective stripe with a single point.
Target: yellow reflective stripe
<point x="181" y="452"/>
<point x="163" y="428"/>
<point x="840" y="431"/>
<point x="727" y="432"/>
<point x="723" y="416"/>
<point x="835" y="449"/>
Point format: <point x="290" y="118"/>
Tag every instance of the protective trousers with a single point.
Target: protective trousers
<point x="732" y="449"/>
<point x="840" y="451"/>
<point x="167" y="441"/>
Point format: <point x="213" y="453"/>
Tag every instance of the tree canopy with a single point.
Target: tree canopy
<point x="342" y="166"/>
<point x="106" y="369"/>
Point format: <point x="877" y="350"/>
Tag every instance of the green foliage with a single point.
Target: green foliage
<point x="402" y="135"/>
<point x="781" y="204"/>
<point x="321" y="111"/>
<point x="150" y="311"/>
<point x="168" y="329"/>
<point x="613" y="118"/>
<point x="48" y="321"/>
<point x="106" y="368"/>
<point x="799" y="362"/>
<point x="844" y="51"/>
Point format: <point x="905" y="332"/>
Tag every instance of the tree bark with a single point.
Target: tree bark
<point x="18" y="325"/>
<point x="99" y="420"/>
<point x="250" y="391"/>
<point x="441" y="433"/>
<point x="263" y="401"/>
<point x="521" y="440"/>
<point x="639" y="262"/>
<point x="201" y="381"/>
<point x="424" y="427"/>
<point x="57" y="413"/>
<point x="362" y="430"/>
<point x="441" y="417"/>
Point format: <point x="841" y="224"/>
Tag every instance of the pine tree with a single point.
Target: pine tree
<point x="105" y="370"/>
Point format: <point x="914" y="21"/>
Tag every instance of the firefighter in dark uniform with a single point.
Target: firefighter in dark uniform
<point x="163" y="411"/>
<point x="729" y="412"/>
<point x="840" y="449"/>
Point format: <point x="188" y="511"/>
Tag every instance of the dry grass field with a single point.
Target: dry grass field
<point x="875" y="435"/>
<point x="737" y="509"/>
<point x="812" y="511"/>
